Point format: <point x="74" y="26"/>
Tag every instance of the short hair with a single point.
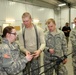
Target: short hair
<point x="50" y="20"/>
<point x="75" y="18"/>
<point x="66" y="23"/>
<point x="6" y="30"/>
<point x="26" y="14"/>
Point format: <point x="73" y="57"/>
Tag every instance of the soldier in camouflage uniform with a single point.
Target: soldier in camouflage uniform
<point x="73" y="41"/>
<point x="11" y="61"/>
<point x="55" y="46"/>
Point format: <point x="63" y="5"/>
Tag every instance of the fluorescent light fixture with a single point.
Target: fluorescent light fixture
<point x="41" y="9"/>
<point x="63" y="4"/>
<point x="10" y="20"/>
<point x="35" y="21"/>
<point x="12" y="3"/>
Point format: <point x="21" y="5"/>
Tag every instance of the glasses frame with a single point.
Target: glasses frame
<point x="14" y="33"/>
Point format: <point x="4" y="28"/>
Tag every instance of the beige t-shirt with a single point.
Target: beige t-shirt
<point x="30" y="39"/>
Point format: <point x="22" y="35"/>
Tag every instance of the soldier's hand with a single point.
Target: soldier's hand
<point x="28" y="53"/>
<point x="37" y="53"/>
<point x="29" y="57"/>
<point x="65" y="61"/>
<point x="51" y="51"/>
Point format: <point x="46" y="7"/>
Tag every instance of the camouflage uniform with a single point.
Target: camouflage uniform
<point x="58" y="43"/>
<point x="73" y="41"/>
<point x="11" y="61"/>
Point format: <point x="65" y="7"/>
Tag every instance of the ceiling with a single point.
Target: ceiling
<point x="47" y="3"/>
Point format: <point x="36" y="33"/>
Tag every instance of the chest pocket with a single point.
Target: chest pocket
<point x="58" y="43"/>
<point x="54" y="41"/>
<point x="58" y="39"/>
<point x="50" y="41"/>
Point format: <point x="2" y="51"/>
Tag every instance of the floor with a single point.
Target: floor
<point x="69" y="62"/>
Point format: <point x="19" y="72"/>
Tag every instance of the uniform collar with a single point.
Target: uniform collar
<point x="55" y="32"/>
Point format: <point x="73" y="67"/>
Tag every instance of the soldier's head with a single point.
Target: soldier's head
<point x="51" y="24"/>
<point x="75" y="20"/>
<point x="27" y="20"/>
<point x="66" y="24"/>
<point x="9" y="33"/>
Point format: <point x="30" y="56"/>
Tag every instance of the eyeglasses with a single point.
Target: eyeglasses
<point x="14" y="33"/>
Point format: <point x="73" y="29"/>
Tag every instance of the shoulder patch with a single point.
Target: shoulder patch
<point x="6" y="56"/>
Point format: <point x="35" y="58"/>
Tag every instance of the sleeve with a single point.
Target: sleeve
<point x="21" y="42"/>
<point x="69" y="28"/>
<point x="63" y="29"/>
<point x="64" y="44"/>
<point x="73" y="37"/>
<point x="46" y="38"/>
<point x="10" y="65"/>
<point x="42" y="40"/>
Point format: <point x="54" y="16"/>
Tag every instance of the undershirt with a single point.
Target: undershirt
<point x="30" y="39"/>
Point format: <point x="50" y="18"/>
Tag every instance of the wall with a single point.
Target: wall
<point x="73" y="14"/>
<point x="13" y="10"/>
<point x="9" y="10"/>
<point x="64" y="16"/>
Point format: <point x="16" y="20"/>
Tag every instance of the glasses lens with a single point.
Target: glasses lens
<point x="14" y="33"/>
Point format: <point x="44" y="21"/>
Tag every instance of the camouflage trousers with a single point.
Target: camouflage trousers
<point x="74" y="65"/>
<point x="51" y="66"/>
<point x="3" y="72"/>
<point x="32" y="68"/>
<point x="74" y="68"/>
<point x="67" y="39"/>
<point x="61" y="70"/>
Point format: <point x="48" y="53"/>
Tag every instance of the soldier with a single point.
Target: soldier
<point x="73" y="41"/>
<point x="55" y="46"/>
<point x="32" y="42"/>
<point x="11" y="61"/>
<point x="66" y="29"/>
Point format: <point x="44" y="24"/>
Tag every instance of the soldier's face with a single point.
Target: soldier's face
<point x="51" y="26"/>
<point x="27" y="21"/>
<point x="13" y="35"/>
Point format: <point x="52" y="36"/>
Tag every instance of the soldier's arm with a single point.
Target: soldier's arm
<point x="42" y="40"/>
<point x="73" y="37"/>
<point x="21" y="41"/>
<point x="64" y="44"/>
<point x="10" y="65"/>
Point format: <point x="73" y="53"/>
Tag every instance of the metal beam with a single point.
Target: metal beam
<point x="67" y="3"/>
<point x="39" y="3"/>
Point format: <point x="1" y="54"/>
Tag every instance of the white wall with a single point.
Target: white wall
<point x="15" y="10"/>
<point x="61" y="16"/>
<point x="12" y="11"/>
<point x="73" y="13"/>
<point x="64" y="16"/>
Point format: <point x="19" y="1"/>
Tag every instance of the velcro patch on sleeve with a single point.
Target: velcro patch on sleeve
<point x="6" y="56"/>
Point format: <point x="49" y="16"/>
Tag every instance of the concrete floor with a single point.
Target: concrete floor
<point x="68" y="64"/>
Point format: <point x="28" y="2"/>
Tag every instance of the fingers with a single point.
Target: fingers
<point x="29" y="57"/>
